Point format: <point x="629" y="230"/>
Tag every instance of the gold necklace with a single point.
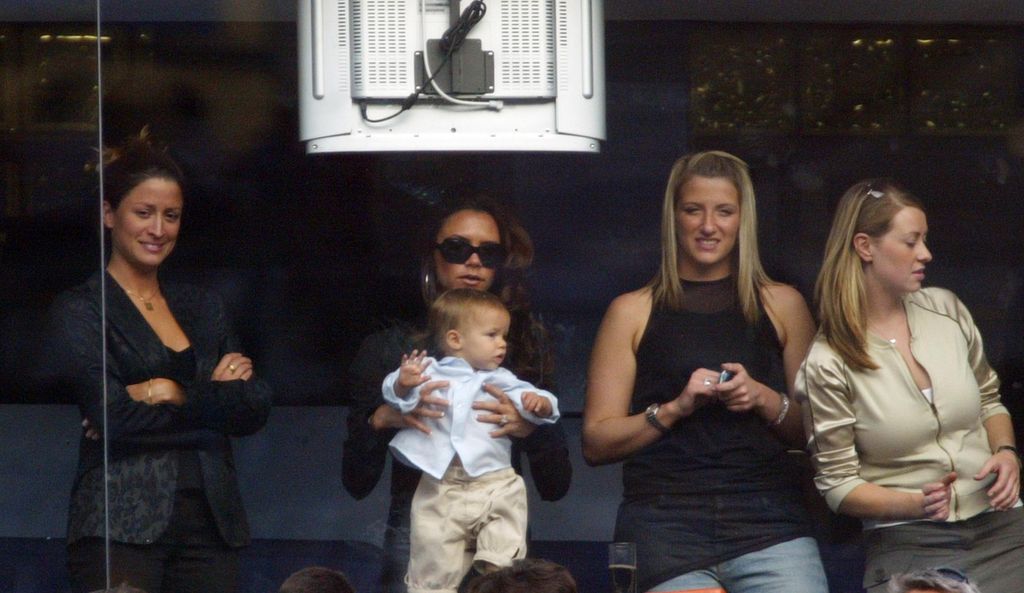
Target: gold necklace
<point x="145" y="301"/>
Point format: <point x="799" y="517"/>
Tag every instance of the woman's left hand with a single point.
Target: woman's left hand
<point x="741" y="393"/>
<point x="503" y="413"/>
<point x="1006" y="489"/>
<point x="232" y="366"/>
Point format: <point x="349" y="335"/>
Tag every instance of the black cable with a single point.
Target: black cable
<point x="450" y="42"/>
<point x="409" y="101"/>
<point x="453" y="38"/>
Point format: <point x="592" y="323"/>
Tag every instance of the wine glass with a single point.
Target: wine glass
<point x="622" y="565"/>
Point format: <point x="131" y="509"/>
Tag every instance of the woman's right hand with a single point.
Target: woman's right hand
<point x="90" y="431"/>
<point x="430" y="406"/>
<point x="937" y="496"/>
<point x="157" y="391"/>
<point x="699" y="391"/>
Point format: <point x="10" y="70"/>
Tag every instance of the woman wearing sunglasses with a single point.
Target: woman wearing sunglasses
<point x="474" y="244"/>
<point x="687" y="386"/>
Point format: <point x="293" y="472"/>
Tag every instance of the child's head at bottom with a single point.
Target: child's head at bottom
<point x="471" y="325"/>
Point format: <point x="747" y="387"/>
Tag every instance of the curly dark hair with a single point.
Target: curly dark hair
<point x="529" y="575"/>
<point x="316" y="579"/>
<point x="530" y="356"/>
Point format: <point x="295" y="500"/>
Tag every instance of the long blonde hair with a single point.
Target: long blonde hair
<point x="867" y="207"/>
<point x="666" y="286"/>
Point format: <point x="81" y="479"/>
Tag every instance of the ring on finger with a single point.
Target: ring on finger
<point x="503" y="420"/>
<point x="233" y="367"/>
<point x="707" y="381"/>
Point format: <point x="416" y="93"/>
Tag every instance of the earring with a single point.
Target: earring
<point x="428" y="286"/>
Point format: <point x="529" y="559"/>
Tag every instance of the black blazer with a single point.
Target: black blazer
<point x="144" y="440"/>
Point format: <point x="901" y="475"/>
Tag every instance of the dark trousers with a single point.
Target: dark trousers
<point x="190" y="557"/>
<point x="154" y="568"/>
<point x="988" y="548"/>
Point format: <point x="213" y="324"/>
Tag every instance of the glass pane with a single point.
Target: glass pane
<point x="968" y="84"/>
<point x="853" y="82"/>
<point x="309" y="255"/>
<point x="49" y="231"/>
<point x="742" y="80"/>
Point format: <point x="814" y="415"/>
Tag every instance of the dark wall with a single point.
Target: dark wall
<point x="313" y="252"/>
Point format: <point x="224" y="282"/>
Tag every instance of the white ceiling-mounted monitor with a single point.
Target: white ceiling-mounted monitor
<point x="518" y="75"/>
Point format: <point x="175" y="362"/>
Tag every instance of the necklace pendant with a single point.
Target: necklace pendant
<point x="149" y="306"/>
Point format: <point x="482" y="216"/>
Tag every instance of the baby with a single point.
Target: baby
<point x="469" y="491"/>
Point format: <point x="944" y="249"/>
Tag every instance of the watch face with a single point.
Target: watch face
<point x="652" y="418"/>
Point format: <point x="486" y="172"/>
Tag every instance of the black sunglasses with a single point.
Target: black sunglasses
<point x="456" y="250"/>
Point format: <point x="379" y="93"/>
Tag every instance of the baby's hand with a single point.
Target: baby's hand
<point x="539" y="406"/>
<point x="410" y="374"/>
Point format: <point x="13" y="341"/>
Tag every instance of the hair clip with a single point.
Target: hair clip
<point x="874" y="193"/>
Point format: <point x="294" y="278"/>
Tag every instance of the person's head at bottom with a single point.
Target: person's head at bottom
<point x="931" y="580"/>
<point x="528" y="575"/>
<point x="316" y="579"/>
<point x="122" y="588"/>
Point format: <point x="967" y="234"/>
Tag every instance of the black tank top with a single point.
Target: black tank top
<point x="183" y="371"/>
<point x="713" y="450"/>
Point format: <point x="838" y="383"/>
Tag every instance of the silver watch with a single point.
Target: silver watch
<point x="651" y="413"/>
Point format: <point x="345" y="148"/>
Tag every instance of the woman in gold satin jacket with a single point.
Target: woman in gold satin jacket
<point x="906" y="428"/>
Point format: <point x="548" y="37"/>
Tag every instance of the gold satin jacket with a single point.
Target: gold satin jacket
<point x="876" y="426"/>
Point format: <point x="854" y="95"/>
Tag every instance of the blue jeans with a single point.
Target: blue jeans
<point x="789" y="567"/>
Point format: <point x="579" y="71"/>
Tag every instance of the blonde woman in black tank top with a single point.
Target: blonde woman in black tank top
<point x="707" y="500"/>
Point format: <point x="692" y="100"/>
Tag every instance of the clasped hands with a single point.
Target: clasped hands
<point x="741" y="393"/>
<point x="1002" y="494"/>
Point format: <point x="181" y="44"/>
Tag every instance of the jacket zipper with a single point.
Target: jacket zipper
<point x="955" y="501"/>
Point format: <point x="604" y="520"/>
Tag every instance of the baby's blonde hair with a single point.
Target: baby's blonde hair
<point x="453" y="308"/>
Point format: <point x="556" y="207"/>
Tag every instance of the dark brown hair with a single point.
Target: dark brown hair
<point x="529" y="575"/>
<point x="316" y="579"/>
<point x="138" y="159"/>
